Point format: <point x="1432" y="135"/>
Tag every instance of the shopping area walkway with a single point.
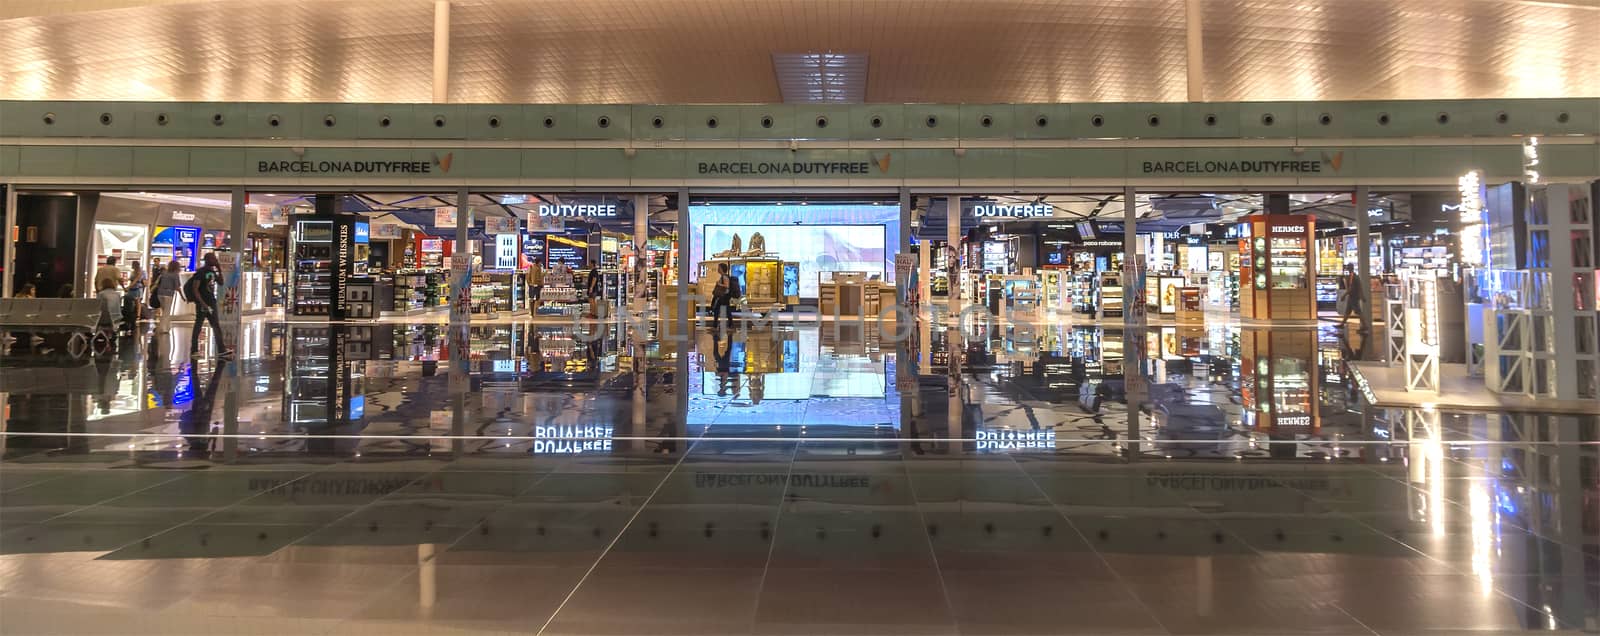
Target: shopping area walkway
<point x="529" y="478"/>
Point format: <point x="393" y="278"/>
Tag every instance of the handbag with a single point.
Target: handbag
<point x="154" y="299"/>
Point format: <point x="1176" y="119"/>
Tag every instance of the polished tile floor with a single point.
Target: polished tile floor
<point x="521" y="478"/>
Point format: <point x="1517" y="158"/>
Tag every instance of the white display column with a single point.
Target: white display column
<point x="1567" y="369"/>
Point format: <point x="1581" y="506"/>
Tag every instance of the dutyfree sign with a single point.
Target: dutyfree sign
<point x="1026" y="210"/>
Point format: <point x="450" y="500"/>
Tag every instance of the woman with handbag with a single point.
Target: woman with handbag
<point x="136" y="288"/>
<point x="164" y="295"/>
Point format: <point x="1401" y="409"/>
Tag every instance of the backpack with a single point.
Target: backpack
<point x="191" y="287"/>
<point x="733" y="287"/>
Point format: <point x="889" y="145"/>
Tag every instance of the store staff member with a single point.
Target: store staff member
<point x="535" y="283"/>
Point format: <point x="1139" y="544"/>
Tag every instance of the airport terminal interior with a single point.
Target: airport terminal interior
<point x="503" y="316"/>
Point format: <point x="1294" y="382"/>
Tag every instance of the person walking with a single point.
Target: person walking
<point x="1353" y="296"/>
<point x="594" y="290"/>
<point x="722" y="295"/>
<point x="202" y="291"/>
<point x="162" y="295"/>
<point x="136" y="287"/>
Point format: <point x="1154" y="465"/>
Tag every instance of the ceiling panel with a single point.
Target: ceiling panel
<point x="718" y="51"/>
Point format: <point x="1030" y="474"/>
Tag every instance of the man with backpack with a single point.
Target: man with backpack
<point x="201" y="290"/>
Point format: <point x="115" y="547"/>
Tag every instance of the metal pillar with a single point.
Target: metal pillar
<point x="232" y="315"/>
<point x="1196" y="51"/>
<point x="904" y="286"/>
<point x="10" y="246"/>
<point x="641" y="252"/>
<point x="952" y="270"/>
<point x="1364" y="256"/>
<point x="685" y="236"/>
<point x="441" y="51"/>
<point x="1133" y="301"/>
<point x="1277" y="202"/>
<point x="461" y="263"/>
<point x="88" y="203"/>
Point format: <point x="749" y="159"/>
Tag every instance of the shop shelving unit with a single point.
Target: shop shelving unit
<point x="313" y="267"/>
<point x="1276" y="269"/>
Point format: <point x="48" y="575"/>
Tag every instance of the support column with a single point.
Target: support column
<point x="904" y="286"/>
<point x="1133" y="319"/>
<point x="685" y="236"/>
<point x="1276" y="202"/>
<point x="441" y="51"/>
<point x="1196" y="50"/>
<point x="232" y="260"/>
<point x="952" y="270"/>
<point x="1133" y="300"/>
<point x="1364" y="255"/>
<point x="461" y="263"/>
<point x="88" y="203"/>
<point x="641" y="252"/>
<point x="10" y="246"/>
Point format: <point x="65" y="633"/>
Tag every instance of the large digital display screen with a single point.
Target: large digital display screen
<point x="817" y="248"/>
<point x="820" y="236"/>
<point x="562" y="249"/>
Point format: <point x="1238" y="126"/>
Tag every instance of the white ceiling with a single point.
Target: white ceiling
<point x="705" y="51"/>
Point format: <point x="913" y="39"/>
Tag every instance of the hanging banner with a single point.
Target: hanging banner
<point x="444" y="217"/>
<point x="273" y="215"/>
<point x="460" y="288"/>
<point x="538" y="223"/>
<point x="500" y="225"/>
<point x="228" y="263"/>
<point x="388" y="231"/>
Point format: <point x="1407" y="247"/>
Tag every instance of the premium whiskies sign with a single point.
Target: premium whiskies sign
<point x="343" y="269"/>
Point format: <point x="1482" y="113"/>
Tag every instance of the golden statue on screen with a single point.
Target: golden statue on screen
<point x="758" y="246"/>
<point x="731" y="252"/>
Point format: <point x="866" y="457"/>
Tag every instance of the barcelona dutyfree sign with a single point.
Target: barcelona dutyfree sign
<point x="666" y="166"/>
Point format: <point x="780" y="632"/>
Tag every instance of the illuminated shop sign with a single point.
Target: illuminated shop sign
<point x="578" y="210"/>
<point x="1005" y="440"/>
<point x="1297" y="166"/>
<point x="1294" y="420"/>
<point x="328" y="166"/>
<point x="1470" y="214"/>
<point x="1530" y="160"/>
<point x="1026" y="210"/>
<point x="1288" y="229"/>
<point x="571" y="440"/>
<point x="788" y="167"/>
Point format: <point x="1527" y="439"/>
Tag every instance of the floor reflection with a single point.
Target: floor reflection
<point x="778" y="478"/>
